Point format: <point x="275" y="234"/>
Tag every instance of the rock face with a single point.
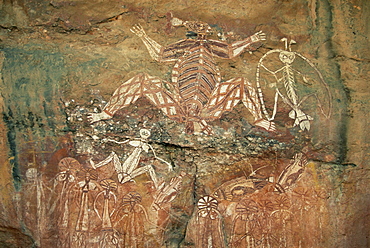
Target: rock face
<point x="180" y="124"/>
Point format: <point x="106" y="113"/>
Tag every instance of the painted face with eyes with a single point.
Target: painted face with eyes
<point x="31" y="174"/>
<point x="144" y="133"/>
<point x="66" y="176"/>
<point x="200" y="28"/>
<point x="287" y="57"/>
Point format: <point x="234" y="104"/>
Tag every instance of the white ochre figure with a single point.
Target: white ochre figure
<point x="292" y="86"/>
<point x="130" y="168"/>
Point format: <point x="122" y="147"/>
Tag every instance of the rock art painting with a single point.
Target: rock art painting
<point x="95" y="211"/>
<point x="128" y="170"/>
<point x="198" y="95"/>
<point x="125" y="199"/>
<point x="286" y="82"/>
<point x="191" y="158"/>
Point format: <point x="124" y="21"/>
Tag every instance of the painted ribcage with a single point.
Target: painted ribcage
<point x="196" y="75"/>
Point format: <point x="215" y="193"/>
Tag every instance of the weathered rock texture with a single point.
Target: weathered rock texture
<point x="243" y="186"/>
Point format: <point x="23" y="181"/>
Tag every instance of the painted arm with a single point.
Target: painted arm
<point x="224" y="50"/>
<point x="157" y="52"/>
<point x="117" y="142"/>
<point x="162" y="160"/>
<point x="153" y="47"/>
<point x="236" y="48"/>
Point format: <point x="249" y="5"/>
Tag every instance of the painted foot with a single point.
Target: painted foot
<point x="268" y="125"/>
<point x="94" y="117"/>
<point x="202" y="127"/>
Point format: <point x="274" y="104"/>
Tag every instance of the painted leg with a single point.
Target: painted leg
<point x="141" y="85"/>
<point x="202" y="127"/>
<point x="112" y="157"/>
<point x="228" y="94"/>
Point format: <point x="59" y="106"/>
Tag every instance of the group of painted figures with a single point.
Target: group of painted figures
<point x="259" y="212"/>
<point x="98" y="204"/>
<point x="110" y="214"/>
<point x="95" y="208"/>
<point x="196" y="94"/>
<point x="244" y="212"/>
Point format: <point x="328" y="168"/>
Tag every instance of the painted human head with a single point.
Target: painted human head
<point x="144" y="133"/>
<point x="287" y="57"/>
<point x="198" y="27"/>
<point x="207" y="207"/>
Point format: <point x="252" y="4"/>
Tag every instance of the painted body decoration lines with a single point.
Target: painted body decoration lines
<point x="131" y="220"/>
<point x="255" y="210"/>
<point x="107" y="214"/>
<point x="198" y="95"/>
<point x="287" y="80"/>
<point x="205" y="228"/>
<point x="64" y="183"/>
<point x="36" y="189"/>
<point x="261" y="219"/>
<point x="259" y="215"/>
<point x="167" y="192"/>
<point x="84" y="219"/>
<point x="161" y="205"/>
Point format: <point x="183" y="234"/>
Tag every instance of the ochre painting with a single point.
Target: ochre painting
<point x="184" y="124"/>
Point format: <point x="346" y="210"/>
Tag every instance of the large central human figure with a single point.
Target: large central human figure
<point x="196" y="94"/>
